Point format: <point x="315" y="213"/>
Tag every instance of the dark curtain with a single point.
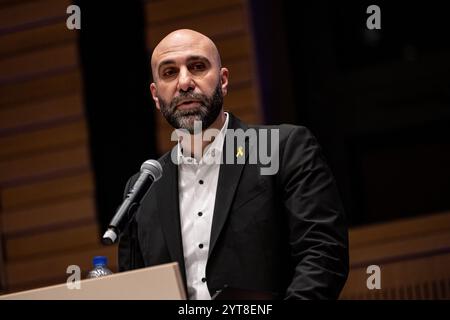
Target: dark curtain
<point x="119" y="109"/>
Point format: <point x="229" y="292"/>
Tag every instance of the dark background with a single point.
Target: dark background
<point x="377" y="100"/>
<point x="118" y="102"/>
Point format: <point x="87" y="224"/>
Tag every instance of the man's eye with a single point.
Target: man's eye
<point x="198" y="67"/>
<point x="168" y="72"/>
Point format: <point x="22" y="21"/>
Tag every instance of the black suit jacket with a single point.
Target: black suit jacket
<point x="282" y="233"/>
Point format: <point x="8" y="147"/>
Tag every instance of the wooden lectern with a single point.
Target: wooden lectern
<point x="161" y="282"/>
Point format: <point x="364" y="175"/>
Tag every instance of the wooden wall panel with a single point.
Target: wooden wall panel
<point x="28" y="39"/>
<point x="240" y="97"/>
<point x="421" y="278"/>
<point x="240" y="71"/>
<point x="47" y="190"/>
<point x="36" y="62"/>
<point x="235" y="46"/>
<point x="47" y="163"/>
<point x="214" y="24"/>
<point x="40" y="244"/>
<point x="418" y="227"/>
<point x="41" y="113"/>
<point x="24" y="13"/>
<point x="413" y="255"/>
<point x="56" y="84"/>
<point x="28" y="143"/>
<point x="162" y="11"/>
<point x="47" y="217"/>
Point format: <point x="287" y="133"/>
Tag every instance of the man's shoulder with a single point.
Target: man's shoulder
<point x="286" y="130"/>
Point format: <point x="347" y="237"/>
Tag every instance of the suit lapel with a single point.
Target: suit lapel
<point x="229" y="176"/>
<point x="168" y="200"/>
<point x="169" y="212"/>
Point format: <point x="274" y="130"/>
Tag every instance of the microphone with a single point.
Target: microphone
<point x="151" y="171"/>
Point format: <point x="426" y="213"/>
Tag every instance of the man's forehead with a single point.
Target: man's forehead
<point x="181" y="43"/>
<point x="182" y="52"/>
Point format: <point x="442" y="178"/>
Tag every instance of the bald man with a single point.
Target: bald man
<point x="189" y="81"/>
<point x="278" y="235"/>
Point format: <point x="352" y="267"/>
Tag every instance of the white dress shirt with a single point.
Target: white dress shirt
<point x="197" y="185"/>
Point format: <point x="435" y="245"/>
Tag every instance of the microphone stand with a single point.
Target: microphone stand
<point x="132" y="228"/>
<point x="132" y="231"/>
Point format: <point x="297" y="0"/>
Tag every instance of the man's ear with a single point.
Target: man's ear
<point x="153" y="90"/>
<point x="224" y="80"/>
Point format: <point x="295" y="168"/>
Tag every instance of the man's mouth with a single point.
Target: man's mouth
<point x="188" y="104"/>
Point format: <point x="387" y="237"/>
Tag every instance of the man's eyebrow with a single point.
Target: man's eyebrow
<point x="165" y="62"/>
<point x="193" y="58"/>
<point x="189" y="59"/>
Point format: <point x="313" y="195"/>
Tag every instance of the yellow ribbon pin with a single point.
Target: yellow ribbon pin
<point x="240" y="152"/>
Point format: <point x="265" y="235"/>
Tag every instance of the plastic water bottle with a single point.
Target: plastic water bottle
<point x="100" y="267"/>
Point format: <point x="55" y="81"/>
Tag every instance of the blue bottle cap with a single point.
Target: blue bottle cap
<point x="100" y="261"/>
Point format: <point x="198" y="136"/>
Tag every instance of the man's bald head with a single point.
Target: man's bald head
<point x="182" y="41"/>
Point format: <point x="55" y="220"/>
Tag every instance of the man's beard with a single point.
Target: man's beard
<point x="207" y="111"/>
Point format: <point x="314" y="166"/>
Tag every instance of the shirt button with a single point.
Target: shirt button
<point x="200" y="214"/>
<point x="203" y="280"/>
<point x="201" y="182"/>
<point x="200" y="245"/>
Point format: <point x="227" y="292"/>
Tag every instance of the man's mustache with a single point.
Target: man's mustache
<point x="188" y="97"/>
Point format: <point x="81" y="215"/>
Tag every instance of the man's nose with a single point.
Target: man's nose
<point x="185" y="81"/>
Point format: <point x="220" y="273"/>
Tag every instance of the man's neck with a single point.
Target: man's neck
<point x="217" y="124"/>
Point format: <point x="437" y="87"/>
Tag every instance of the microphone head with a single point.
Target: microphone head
<point x="153" y="167"/>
